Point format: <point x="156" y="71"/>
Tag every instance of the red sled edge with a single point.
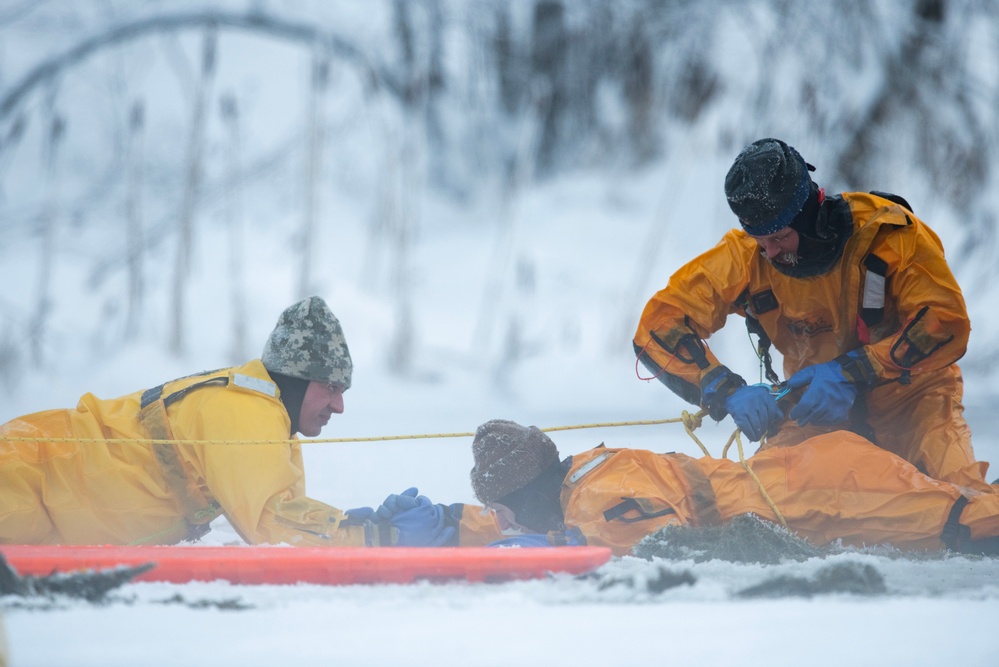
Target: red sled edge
<point x="314" y="565"/>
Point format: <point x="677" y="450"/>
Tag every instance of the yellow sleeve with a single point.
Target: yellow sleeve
<point x="261" y="488"/>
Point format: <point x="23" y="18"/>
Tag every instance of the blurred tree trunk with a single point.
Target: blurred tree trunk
<point x="192" y="187"/>
<point x="437" y="144"/>
<point x="46" y="229"/>
<point x="318" y="84"/>
<point x="134" y="237"/>
<point x="404" y="337"/>
<point x="506" y="247"/>
<point x="7" y="145"/>
<point x="639" y="72"/>
<point x="508" y="72"/>
<point x="548" y="60"/>
<point x="234" y="224"/>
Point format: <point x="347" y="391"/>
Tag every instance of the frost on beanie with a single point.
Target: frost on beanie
<point x="308" y="343"/>
<point x="507" y="457"/>
<point x="767" y="186"/>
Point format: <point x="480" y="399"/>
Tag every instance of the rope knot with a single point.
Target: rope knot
<point x="692" y="422"/>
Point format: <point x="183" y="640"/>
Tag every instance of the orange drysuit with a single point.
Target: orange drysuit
<point x="833" y="486"/>
<point x="102" y="492"/>
<point x="891" y="294"/>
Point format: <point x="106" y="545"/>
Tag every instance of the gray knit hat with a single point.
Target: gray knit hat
<point x="308" y="343"/>
<point x="508" y="456"/>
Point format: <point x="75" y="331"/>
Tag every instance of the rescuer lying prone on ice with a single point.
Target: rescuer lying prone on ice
<point x="90" y="475"/>
<point x="833" y="486"/>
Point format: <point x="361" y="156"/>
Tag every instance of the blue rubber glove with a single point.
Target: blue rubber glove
<point x="396" y="503"/>
<point x="358" y="516"/>
<point x="754" y="410"/>
<point x="829" y="396"/>
<point x="424" y="525"/>
<point x="531" y="540"/>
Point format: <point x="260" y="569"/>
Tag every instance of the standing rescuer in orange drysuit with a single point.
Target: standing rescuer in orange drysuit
<point x="854" y="292"/>
<point x="95" y="492"/>
<point x="833" y="486"/>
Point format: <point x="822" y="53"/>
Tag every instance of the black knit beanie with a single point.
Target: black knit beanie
<point x="767" y="185"/>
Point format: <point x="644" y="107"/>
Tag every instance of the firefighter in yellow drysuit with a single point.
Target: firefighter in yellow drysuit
<point x="73" y="492"/>
<point x="854" y="292"/>
<point x="832" y="486"/>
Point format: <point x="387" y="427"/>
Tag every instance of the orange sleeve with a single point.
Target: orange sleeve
<point x="631" y="495"/>
<point x="478" y="527"/>
<point x="693" y="305"/>
<point x="931" y="309"/>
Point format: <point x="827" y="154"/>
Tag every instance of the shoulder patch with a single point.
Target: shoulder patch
<point x="254" y="384"/>
<point x="763" y="302"/>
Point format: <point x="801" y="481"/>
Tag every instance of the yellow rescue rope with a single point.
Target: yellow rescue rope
<point x="736" y="436"/>
<point x="691" y="422"/>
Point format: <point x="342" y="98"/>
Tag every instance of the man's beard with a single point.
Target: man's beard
<point x="784" y="259"/>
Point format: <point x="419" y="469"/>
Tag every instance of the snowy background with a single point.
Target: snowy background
<point x="486" y="193"/>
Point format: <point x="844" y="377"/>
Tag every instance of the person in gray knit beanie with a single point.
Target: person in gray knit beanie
<point x="308" y="343"/>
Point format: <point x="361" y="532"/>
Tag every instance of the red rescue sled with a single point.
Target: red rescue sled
<point x="315" y="565"/>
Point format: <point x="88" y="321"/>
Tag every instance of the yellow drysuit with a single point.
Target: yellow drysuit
<point x="138" y="493"/>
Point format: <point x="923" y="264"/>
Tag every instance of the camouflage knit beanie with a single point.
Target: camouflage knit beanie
<point x="508" y="456"/>
<point x="308" y="343"/>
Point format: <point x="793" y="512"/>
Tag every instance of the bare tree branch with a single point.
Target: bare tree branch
<point x="19" y="11"/>
<point x="254" y="21"/>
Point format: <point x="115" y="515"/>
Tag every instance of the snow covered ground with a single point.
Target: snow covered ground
<point x="933" y="613"/>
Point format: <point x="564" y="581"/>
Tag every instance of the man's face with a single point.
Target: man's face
<point x="781" y="247"/>
<point x="321" y="401"/>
